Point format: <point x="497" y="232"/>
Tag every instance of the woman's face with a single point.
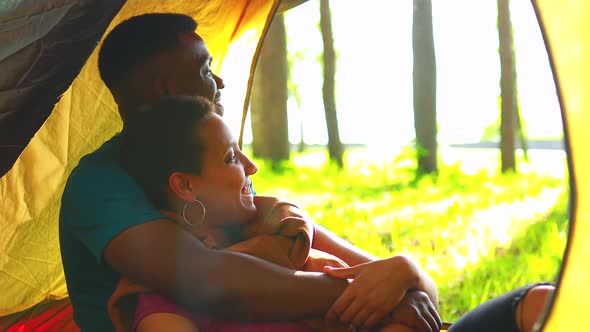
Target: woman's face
<point x="224" y="183"/>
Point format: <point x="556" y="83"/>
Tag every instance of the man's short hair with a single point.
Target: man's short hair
<point x="138" y="39"/>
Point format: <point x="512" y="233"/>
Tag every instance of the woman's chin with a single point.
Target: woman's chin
<point x="248" y="201"/>
<point x="248" y="205"/>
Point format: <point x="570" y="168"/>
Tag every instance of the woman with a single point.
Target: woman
<point x="185" y="158"/>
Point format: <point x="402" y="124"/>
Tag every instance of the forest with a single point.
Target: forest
<point x="435" y="134"/>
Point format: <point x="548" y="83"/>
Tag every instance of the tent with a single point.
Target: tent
<point x="54" y="109"/>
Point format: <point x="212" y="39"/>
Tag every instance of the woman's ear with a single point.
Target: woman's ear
<point x="181" y="185"/>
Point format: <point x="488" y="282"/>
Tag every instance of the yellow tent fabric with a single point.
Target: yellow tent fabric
<point x="30" y="264"/>
<point x="566" y="29"/>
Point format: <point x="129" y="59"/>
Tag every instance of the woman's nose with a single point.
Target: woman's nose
<point x="249" y="166"/>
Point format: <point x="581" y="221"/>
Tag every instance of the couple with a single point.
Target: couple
<point x="196" y="174"/>
<point x="109" y="227"/>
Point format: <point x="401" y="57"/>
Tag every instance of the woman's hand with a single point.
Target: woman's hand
<point x="376" y="289"/>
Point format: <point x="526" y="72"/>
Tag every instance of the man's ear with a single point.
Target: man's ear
<point x="180" y="184"/>
<point x="166" y="87"/>
<point x="161" y="87"/>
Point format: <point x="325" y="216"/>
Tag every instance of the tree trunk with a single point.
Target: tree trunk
<point x="507" y="88"/>
<point x="521" y="134"/>
<point x="270" y="134"/>
<point x="424" y="88"/>
<point x="334" y="145"/>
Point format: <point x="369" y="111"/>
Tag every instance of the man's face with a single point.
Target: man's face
<point x="186" y="70"/>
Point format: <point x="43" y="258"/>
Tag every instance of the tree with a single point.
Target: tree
<point x="335" y="148"/>
<point x="424" y="88"/>
<point x="270" y="134"/>
<point x="509" y="113"/>
<point x="293" y="90"/>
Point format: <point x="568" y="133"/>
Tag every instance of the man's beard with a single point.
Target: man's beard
<point x="219" y="108"/>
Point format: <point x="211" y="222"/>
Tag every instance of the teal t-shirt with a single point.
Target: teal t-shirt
<point x="99" y="201"/>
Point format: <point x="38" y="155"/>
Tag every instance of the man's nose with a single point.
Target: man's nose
<point x="219" y="82"/>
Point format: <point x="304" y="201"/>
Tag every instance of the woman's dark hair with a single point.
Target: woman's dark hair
<point x="137" y="39"/>
<point x="163" y="138"/>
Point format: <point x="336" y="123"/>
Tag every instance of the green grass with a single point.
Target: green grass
<point x="476" y="232"/>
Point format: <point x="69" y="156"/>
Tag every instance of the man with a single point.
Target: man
<point x="108" y="227"/>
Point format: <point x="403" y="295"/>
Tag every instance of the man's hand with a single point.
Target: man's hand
<point x="376" y="289"/>
<point x="416" y="311"/>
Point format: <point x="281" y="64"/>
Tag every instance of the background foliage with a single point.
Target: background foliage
<point x="477" y="233"/>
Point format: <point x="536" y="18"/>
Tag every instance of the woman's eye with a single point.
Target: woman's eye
<point x="232" y="158"/>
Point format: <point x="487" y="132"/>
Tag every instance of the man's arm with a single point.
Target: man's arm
<point x="171" y="261"/>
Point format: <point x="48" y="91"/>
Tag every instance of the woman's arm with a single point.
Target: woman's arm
<point x="326" y="241"/>
<point x="383" y="282"/>
<point x="329" y="242"/>
<point x="377" y="288"/>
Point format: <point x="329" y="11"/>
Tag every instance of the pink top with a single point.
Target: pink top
<point x="151" y="303"/>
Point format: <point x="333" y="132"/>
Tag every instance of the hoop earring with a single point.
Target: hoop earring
<point x="186" y="219"/>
